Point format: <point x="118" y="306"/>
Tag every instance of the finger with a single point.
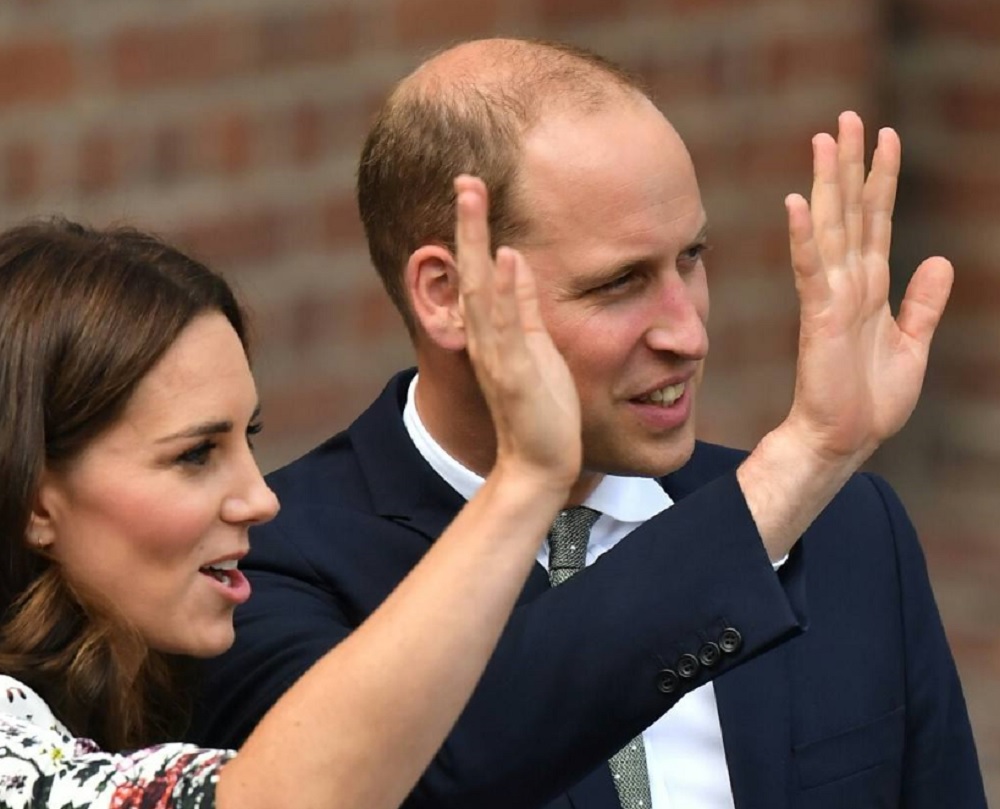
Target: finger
<point x="826" y="203"/>
<point x="505" y="318"/>
<point x="527" y="295"/>
<point x="472" y="235"/>
<point x="851" y="169"/>
<point x="810" y="278"/>
<point x="880" y="195"/>
<point x="925" y="299"/>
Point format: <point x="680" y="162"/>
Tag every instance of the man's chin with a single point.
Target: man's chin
<point x="645" y="462"/>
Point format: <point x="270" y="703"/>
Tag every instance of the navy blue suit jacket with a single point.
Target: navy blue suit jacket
<point x="841" y="692"/>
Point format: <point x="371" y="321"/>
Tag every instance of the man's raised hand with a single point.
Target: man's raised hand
<point x="860" y="370"/>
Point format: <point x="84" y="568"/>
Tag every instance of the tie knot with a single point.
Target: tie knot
<point x="568" y="539"/>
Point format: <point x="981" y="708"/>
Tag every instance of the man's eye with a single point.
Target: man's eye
<point x="623" y="281"/>
<point x="198" y="455"/>
<point x="694" y="252"/>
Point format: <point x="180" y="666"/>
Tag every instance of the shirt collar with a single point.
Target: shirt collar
<point x="626" y="499"/>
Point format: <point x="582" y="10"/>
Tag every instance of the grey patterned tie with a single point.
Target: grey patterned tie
<point x="568" y="539"/>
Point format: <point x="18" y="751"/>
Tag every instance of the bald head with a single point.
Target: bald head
<point x="467" y="110"/>
<point x="526" y="76"/>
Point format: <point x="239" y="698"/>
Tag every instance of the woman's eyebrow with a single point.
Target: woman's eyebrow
<point x="199" y="431"/>
<point x="208" y="428"/>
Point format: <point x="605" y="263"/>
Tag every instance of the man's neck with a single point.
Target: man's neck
<point x="457" y="418"/>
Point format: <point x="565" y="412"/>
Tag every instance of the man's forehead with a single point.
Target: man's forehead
<point x="623" y="169"/>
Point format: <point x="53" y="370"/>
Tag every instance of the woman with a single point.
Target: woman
<point x="127" y="486"/>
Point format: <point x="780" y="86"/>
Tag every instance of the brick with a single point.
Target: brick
<point x="291" y="38"/>
<point x="229" y="137"/>
<point x="315" y="406"/>
<point x="36" y="72"/>
<point x="441" y="21"/>
<point x="231" y="238"/>
<point x="794" y="60"/>
<point x="737" y="345"/>
<point x="976" y="289"/>
<point x="23" y="170"/>
<point x="343" y="222"/>
<point x="375" y="318"/>
<point x="153" y="57"/>
<point x="970" y="20"/>
<point x="559" y="12"/>
<point x="953" y="195"/>
<point x="308" y="132"/>
<point x="971" y="108"/>
<point x="97" y="162"/>
<point x="973" y="376"/>
<point x="169" y="153"/>
<point x="674" y="7"/>
<point x="675" y="81"/>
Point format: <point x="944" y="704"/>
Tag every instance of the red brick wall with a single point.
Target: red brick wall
<point x="233" y="126"/>
<point x="946" y="100"/>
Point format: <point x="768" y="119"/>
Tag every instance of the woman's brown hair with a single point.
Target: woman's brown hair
<point x="84" y="315"/>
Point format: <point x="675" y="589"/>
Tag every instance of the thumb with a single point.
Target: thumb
<point x="925" y="299"/>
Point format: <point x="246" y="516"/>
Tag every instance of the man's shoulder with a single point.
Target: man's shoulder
<point x="336" y="469"/>
<point x="331" y="466"/>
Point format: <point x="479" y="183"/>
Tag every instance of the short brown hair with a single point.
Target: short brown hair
<point x="84" y="316"/>
<point x="432" y="129"/>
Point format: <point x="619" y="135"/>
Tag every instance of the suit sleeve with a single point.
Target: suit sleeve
<point x="940" y="766"/>
<point x="579" y="670"/>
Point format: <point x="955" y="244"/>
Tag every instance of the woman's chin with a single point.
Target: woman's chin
<point x="210" y="641"/>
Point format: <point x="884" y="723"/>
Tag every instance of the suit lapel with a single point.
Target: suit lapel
<point x="403" y="486"/>
<point x="595" y="790"/>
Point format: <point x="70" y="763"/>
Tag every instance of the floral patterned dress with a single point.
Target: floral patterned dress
<point x="43" y="765"/>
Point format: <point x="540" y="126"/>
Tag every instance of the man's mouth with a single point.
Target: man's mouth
<point x="664" y="397"/>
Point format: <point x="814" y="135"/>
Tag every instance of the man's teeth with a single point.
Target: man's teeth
<point x="665" y="396"/>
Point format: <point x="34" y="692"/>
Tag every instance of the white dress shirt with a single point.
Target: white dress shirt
<point x="684" y="751"/>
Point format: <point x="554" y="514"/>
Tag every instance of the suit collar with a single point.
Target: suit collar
<point x="707" y="462"/>
<point x="402" y="485"/>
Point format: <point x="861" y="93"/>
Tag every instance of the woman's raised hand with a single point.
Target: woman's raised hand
<point x="524" y="379"/>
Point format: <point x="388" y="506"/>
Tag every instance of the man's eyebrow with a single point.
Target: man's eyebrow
<point x="207" y="428"/>
<point x="702" y="234"/>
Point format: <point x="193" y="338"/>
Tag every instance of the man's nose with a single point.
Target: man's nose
<point x="678" y="325"/>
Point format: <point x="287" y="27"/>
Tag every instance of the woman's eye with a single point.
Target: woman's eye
<point x="198" y="455"/>
<point x="253" y="428"/>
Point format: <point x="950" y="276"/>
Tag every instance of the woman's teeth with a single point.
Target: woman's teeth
<point x="220" y="571"/>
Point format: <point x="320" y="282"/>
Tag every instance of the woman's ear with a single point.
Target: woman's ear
<point x="431" y="279"/>
<point x="41" y="532"/>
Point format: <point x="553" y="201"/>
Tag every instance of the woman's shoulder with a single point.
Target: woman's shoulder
<point x="42" y="764"/>
<point x="20" y="703"/>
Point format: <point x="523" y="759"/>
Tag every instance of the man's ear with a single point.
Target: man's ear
<point x="431" y="279"/>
